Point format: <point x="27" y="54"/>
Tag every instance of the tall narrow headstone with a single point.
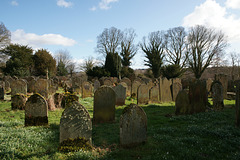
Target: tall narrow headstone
<point x="154" y="95"/>
<point x="182" y="104"/>
<point x="217" y="95"/>
<point x="41" y="87"/>
<point x="120" y="94"/>
<point x="143" y="94"/>
<point x="165" y="90"/>
<point x="86" y="90"/>
<point x="18" y="86"/>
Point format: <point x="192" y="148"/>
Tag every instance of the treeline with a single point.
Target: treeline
<point x="167" y="53"/>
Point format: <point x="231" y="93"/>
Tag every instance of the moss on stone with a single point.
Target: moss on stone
<point x="73" y="145"/>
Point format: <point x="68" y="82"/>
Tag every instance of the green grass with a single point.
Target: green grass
<point x="210" y="135"/>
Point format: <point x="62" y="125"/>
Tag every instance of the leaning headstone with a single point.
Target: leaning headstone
<point x="36" y="111"/>
<point x="182" y="104"/>
<point x="104" y="105"/>
<point x="198" y="96"/>
<point x="165" y="90"/>
<point x="75" y="123"/>
<point x="18" y="101"/>
<point x="18" y="86"/>
<point x="143" y="94"/>
<point x="120" y="91"/>
<point x="154" y="95"/>
<point x="217" y="95"/>
<point x="133" y="126"/>
<point x="86" y="90"/>
<point x="41" y="87"/>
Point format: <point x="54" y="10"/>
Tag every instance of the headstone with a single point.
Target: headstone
<point x="209" y="84"/>
<point x="36" y="111"/>
<point x="154" y="95"/>
<point x="2" y="93"/>
<point x="18" y="101"/>
<point x="41" y="87"/>
<point x="217" y="95"/>
<point x="120" y="91"/>
<point x="31" y="85"/>
<point x="96" y="85"/>
<point x="133" y="126"/>
<point x="18" y="86"/>
<point x="7" y="86"/>
<point x="68" y="99"/>
<point x="135" y="86"/>
<point x="104" y="105"/>
<point x="237" y="103"/>
<point x="129" y="85"/>
<point x="86" y="90"/>
<point x="75" y="122"/>
<point x="107" y="82"/>
<point x="176" y="87"/>
<point x="224" y="81"/>
<point x="182" y="104"/>
<point x="143" y="94"/>
<point x="165" y="90"/>
<point x="198" y="96"/>
<point x="58" y="100"/>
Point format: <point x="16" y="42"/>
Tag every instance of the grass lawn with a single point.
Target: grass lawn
<point x="210" y="135"/>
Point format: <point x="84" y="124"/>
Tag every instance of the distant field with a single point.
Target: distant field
<point x="210" y="135"/>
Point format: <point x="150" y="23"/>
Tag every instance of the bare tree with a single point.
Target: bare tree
<point x="5" y="36"/>
<point x="176" y="46"/>
<point x="63" y="56"/>
<point x="87" y="64"/>
<point x="71" y="68"/>
<point x="109" y="41"/>
<point x="154" y="51"/>
<point x="203" y="44"/>
<point x="128" y="48"/>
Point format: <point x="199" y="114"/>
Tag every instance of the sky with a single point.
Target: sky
<point x="74" y="25"/>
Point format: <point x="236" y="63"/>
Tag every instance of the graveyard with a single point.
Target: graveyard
<point x="161" y="130"/>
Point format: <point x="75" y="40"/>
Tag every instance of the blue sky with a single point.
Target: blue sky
<point x="74" y="25"/>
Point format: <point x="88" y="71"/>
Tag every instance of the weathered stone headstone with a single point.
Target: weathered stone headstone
<point x="96" y="85"/>
<point x="18" y="101"/>
<point x="154" y="95"/>
<point x="143" y="94"/>
<point x="68" y="99"/>
<point x="224" y="81"/>
<point x="36" y="111"/>
<point x="182" y="104"/>
<point x="129" y="85"/>
<point x="18" y="86"/>
<point x="41" y="87"/>
<point x="135" y="86"/>
<point x="87" y="90"/>
<point x="107" y="82"/>
<point x="58" y="100"/>
<point x="237" y="103"/>
<point x="104" y="105"/>
<point x="31" y="85"/>
<point x="120" y="91"/>
<point x="198" y="96"/>
<point x="165" y="90"/>
<point x="133" y="126"/>
<point x="75" y="123"/>
<point x="176" y="87"/>
<point x="217" y="95"/>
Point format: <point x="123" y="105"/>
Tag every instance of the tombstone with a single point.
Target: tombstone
<point x="135" y="86"/>
<point x="182" y="103"/>
<point x="96" y="85"/>
<point x="143" y="94"/>
<point x="36" y="111"/>
<point x="68" y="99"/>
<point x="75" y="123"/>
<point x="104" y="105"/>
<point x="198" y="96"/>
<point x="41" y="87"/>
<point x="129" y="84"/>
<point x="86" y="90"/>
<point x="154" y="95"/>
<point x="133" y="126"/>
<point x="224" y="81"/>
<point x="175" y="87"/>
<point x="7" y="86"/>
<point x="107" y="82"/>
<point x="217" y="95"/>
<point x="18" y="86"/>
<point x="120" y="91"/>
<point x="237" y="103"/>
<point x="209" y="84"/>
<point x="165" y="90"/>
<point x="2" y="93"/>
<point x="115" y="80"/>
<point x="58" y="100"/>
<point x="31" y="85"/>
<point x="18" y="101"/>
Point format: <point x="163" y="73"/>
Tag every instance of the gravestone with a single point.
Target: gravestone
<point x="182" y="103"/>
<point x="154" y="95"/>
<point x="143" y="94"/>
<point x="237" y="103"/>
<point x="224" y="81"/>
<point x="129" y="85"/>
<point x="2" y="93"/>
<point x="96" y="85"/>
<point x="198" y="96"/>
<point x="31" y="85"/>
<point x="7" y="86"/>
<point x="217" y="95"/>
<point x="18" y="86"/>
<point x="104" y="105"/>
<point x="120" y="91"/>
<point x="68" y="99"/>
<point x="18" y="101"/>
<point x="175" y="87"/>
<point x="41" y="87"/>
<point x="75" y="123"/>
<point x="58" y="100"/>
<point x="36" y="111"/>
<point x="165" y="90"/>
<point x="133" y="126"/>
<point x="107" y="82"/>
<point x="135" y="86"/>
<point x="86" y="90"/>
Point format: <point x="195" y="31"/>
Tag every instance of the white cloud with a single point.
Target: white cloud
<point x="211" y="14"/>
<point x="90" y="41"/>
<point x="234" y="4"/>
<point x="105" y="4"/>
<point x="63" y="3"/>
<point x="14" y="3"/>
<point x="93" y="8"/>
<point x="37" y="41"/>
